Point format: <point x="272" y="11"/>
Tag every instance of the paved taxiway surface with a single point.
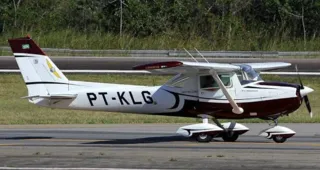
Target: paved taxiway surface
<point x="153" y="146"/>
<point x="126" y="63"/>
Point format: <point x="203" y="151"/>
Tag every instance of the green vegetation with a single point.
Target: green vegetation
<point x="164" y="24"/>
<point x="15" y="110"/>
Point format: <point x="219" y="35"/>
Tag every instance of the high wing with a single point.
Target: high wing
<point x="193" y="67"/>
<point x="186" y="67"/>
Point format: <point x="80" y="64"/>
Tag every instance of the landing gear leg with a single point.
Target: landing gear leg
<point x="218" y="123"/>
<point x="228" y="135"/>
<point x="275" y="122"/>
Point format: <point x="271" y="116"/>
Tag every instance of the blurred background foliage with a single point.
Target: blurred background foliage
<point x="214" y="21"/>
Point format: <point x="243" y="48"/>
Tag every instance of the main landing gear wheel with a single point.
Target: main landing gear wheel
<point x="203" y="137"/>
<point x="279" y="139"/>
<point x="227" y="137"/>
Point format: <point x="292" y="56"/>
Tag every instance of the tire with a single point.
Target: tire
<point x="230" y="138"/>
<point x="279" y="139"/>
<point x="203" y="137"/>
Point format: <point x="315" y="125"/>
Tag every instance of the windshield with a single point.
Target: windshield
<point x="250" y="73"/>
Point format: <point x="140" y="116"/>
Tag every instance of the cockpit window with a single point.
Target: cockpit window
<point x="208" y="82"/>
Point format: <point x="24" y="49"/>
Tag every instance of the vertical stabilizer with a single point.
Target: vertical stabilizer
<point x="40" y="74"/>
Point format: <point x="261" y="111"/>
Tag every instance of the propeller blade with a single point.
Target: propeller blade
<point x="302" y="87"/>
<point x="306" y="100"/>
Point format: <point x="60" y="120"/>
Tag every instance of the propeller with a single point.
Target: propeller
<point x="305" y="98"/>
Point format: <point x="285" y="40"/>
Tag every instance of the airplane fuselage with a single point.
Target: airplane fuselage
<point x="258" y="101"/>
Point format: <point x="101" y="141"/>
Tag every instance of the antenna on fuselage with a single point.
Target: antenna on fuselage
<point x="201" y="55"/>
<point x="190" y="55"/>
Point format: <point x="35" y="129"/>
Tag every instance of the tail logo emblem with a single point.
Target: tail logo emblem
<point x="25" y="46"/>
<point x="53" y="69"/>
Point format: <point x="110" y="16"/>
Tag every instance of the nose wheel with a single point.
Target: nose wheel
<point x="279" y="139"/>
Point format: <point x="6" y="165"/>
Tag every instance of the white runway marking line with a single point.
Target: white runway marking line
<point x="29" y="168"/>
<point x="147" y="72"/>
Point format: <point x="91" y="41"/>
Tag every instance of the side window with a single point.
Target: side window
<point x="178" y="81"/>
<point x="208" y="82"/>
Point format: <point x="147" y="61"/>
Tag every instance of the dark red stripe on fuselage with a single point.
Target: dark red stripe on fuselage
<point x="262" y="109"/>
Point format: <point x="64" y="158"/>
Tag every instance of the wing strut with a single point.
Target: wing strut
<point x="191" y="55"/>
<point x="235" y="108"/>
<point x="201" y="55"/>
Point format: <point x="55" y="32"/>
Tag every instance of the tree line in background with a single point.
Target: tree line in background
<point x="223" y="21"/>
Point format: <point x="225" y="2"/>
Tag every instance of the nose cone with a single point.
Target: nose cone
<point x="305" y="91"/>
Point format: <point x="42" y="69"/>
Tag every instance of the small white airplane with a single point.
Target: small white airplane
<point x="206" y="90"/>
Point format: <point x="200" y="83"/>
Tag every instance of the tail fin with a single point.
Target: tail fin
<point x="40" y="74"/>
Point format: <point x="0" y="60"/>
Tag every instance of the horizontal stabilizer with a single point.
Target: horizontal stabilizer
<point x="56" y="96"/>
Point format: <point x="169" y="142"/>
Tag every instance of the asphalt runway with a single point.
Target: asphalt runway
<point x="126" y="63"/>
<point x="153" y="146"/>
